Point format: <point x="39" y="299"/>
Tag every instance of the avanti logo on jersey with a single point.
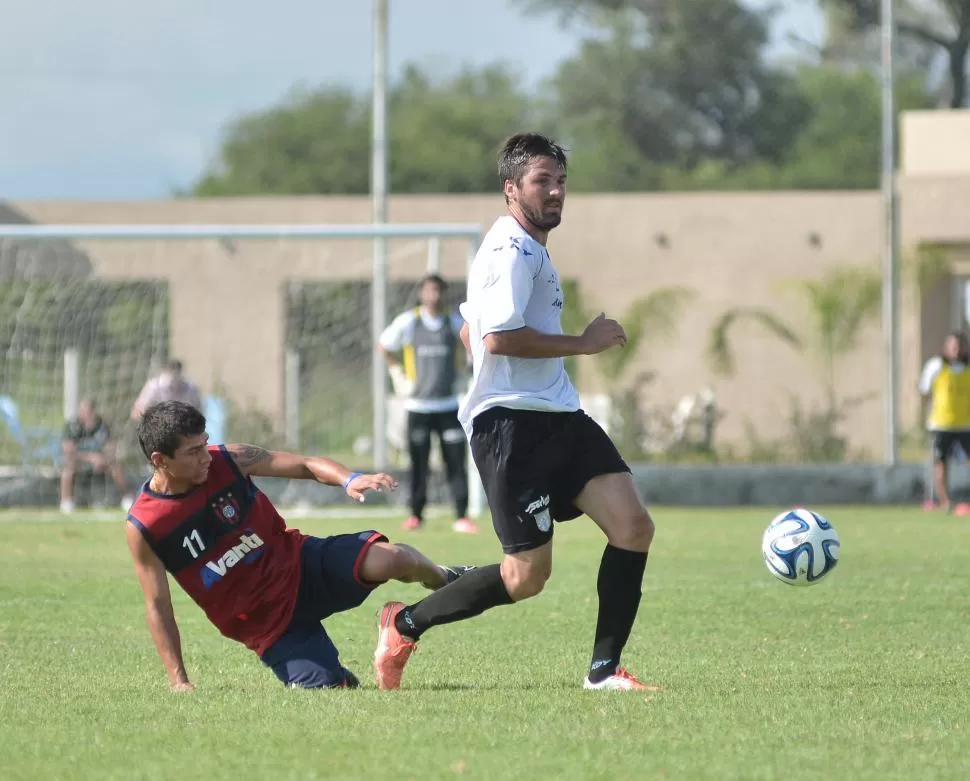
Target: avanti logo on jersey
<point x="247" y="550"/>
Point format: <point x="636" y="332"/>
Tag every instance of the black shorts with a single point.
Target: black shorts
<point x="533" y="466"/>
<point x="945" y="442"/>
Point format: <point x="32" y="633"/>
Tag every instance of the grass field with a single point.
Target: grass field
<point x="864" y="676"/>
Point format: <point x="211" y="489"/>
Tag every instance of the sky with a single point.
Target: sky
<point x="113" y="100"/>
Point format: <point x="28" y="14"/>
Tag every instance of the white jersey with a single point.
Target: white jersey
<point x="513" y="285"/>
<point x="399" y="334"/>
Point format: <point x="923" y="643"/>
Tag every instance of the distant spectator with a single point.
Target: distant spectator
<point x="170" y="385"/>
<point x="945" y="384"/>
<point x="423" y="344"/>
<point x="87" y="444"/>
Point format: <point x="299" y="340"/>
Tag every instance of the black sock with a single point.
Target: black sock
<point x="618" y="586"/>
<point x="472" y="594"/>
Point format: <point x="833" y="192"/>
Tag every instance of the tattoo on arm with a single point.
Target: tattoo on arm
<point x="247" y="456"/>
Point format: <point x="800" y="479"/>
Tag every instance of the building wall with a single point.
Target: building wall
<point x="934" y="192"/>
<point x="732" y="249"/>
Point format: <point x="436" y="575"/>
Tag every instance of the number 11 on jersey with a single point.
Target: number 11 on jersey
<point x="194" y="543"/>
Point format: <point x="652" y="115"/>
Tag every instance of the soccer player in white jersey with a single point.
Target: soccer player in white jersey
<point x="541" y="458"/>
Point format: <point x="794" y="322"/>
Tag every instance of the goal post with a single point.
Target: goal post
<point x="54" y="262"/>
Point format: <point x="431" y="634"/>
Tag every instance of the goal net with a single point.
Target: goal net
<point x="275" y="324"/>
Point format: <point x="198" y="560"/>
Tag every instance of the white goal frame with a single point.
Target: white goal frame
<point x="379" y="233"/>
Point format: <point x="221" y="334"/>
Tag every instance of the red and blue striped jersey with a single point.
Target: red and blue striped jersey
<point x="229" y="549"/>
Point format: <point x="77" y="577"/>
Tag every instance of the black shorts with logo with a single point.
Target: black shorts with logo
<point x="533" y="466"/>
<point x="946" y="442"/>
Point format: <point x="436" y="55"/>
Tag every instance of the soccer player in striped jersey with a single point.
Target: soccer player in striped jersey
<point x="201" y="518"/>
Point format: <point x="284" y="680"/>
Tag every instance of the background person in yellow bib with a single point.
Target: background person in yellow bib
<point x="946" y="383"/>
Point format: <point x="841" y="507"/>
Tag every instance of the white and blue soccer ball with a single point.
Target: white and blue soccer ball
<point x="800" y="547"/>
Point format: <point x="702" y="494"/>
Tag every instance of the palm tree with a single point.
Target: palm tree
<point x="649" y="318"/>
<point x="924" y="268"/>
<point x="841" y="303"/>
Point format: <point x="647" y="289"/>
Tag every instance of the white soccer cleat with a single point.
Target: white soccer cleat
<point x="67" y="506"/>
<point x="620" y="681"/>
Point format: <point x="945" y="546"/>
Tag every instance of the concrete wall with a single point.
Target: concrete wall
<point x="731" y="249"/>
<point x="700" y="486"/>
<point x="935" y="143"/>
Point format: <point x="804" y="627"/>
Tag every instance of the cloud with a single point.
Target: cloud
<point x="110" y="98"/>
<point x="95" y="87"/>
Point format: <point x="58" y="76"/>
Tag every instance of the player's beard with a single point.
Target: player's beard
<point x="544" y="220"/>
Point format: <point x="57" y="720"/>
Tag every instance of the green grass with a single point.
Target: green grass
<point x="863" y="676"/>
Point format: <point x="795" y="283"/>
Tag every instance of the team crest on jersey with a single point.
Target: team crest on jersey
<point x="543" y="520"/>
<point x="227" y="509"/>
<point x="539" y="509"/>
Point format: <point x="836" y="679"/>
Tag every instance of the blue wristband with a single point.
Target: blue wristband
<point x="352" y="476"/>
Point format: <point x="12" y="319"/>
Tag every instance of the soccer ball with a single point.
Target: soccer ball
<point x="800" y="547"/>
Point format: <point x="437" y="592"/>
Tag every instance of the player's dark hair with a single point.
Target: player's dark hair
<point x="520" y="150"/>
<point x="174" y="365"/>
<point x="164" y="425"/>
<point x="437" y="279"/>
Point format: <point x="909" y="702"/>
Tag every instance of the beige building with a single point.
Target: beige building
<point x="733" y="250"/>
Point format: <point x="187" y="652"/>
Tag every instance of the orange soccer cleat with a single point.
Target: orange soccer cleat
<point x="393" y="649"/>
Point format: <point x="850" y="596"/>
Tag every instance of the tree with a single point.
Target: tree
<point x="648" y="320"/>
<point x="940" y="25"/>
<point x="839" y="145"/>
<point x="841" y="304"/>
<point x="924" y="269"/>
<point x="850" y="48"/>
<point x="313" y="142"/>
<point x="677" y="83"/>
<point x="677" y="95"/>
<point x="444" y="135"/>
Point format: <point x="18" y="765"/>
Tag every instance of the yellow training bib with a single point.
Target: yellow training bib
<point x="951" y="399"/>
